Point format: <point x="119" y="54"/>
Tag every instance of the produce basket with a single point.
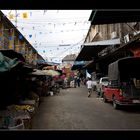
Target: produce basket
<point x="18" y="124"/>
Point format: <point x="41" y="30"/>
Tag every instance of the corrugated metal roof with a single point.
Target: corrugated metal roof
<point x="104" y="42"/>
<point x="92" y="49"/>
<point x="70" y="57"/>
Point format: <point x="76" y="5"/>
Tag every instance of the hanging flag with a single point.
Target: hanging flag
<point x="44" y="12"/>
<point x="25" y="15"/>
<point x="30" y="13"/>
<point x="11" y="16"/>
<point x="17" y="15"/>
<point x="30" y="36"/>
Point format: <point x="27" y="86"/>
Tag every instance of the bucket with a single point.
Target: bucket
<point x="51" y="93"/>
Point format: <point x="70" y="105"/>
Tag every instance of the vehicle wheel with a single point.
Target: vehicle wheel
<point x="104" y="99"/>
<point x="115" y="105"/>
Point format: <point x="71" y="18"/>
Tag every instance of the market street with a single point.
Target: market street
<point x="73" y="110"/>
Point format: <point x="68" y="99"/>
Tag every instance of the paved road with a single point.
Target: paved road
<point x="73" y="110"/>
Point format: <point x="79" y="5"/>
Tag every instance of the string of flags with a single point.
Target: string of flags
<point x="55" y="23"/>
<point x="23" y="15"/>
<point x="27" y="15"/>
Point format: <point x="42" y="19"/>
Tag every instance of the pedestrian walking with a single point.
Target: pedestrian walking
<point x="89" y="85"/>
<point x="75" y="81"/>
<point x="78" y="81"/>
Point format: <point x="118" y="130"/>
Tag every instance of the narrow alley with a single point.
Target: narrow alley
<point x="73" y="110"/>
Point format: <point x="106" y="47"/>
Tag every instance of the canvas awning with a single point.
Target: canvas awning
<point x="124" y="69"/>
<point x="92" y="49"/>
<point x="78" y="65"/>
<point x="13" y="54"/>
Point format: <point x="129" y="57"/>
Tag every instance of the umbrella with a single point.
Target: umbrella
<point x="51" y="72"/>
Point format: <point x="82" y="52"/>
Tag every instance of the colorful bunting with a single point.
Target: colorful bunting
<point x="30" y="13"/>
<point x="30" y="36"/>
<point x="11" y="16"/>
<point x="25" y="15"/>
<point x="44" y="12"/>
<point x="17" y="15"/>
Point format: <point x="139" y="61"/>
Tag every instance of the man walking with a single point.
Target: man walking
<point x="89" y="84"/>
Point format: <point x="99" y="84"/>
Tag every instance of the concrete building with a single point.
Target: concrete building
<point x="109" y="33"/>
<point x="11" y="38"/>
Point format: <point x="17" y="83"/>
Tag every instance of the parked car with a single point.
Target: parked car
<point x="103" y="81"/>
<point x="124" y="82"/>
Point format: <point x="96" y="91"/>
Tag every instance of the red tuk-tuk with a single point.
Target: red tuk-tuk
<point x="124" y="82"/>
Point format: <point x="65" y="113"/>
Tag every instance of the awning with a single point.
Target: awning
<point x="92" y="49"/>
<point x="124" y="69"/>
<point x="75" y="67"/>
<point x="119" y="53"/>
<point x="78" y="65"/>
<point x="13" y="54"/>
<point x="114" y="16"/>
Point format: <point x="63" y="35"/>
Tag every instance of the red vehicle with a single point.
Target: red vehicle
<point x="124" y="82"/>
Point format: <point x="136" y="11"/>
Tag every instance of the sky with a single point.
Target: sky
<point x="53" y="33"/>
